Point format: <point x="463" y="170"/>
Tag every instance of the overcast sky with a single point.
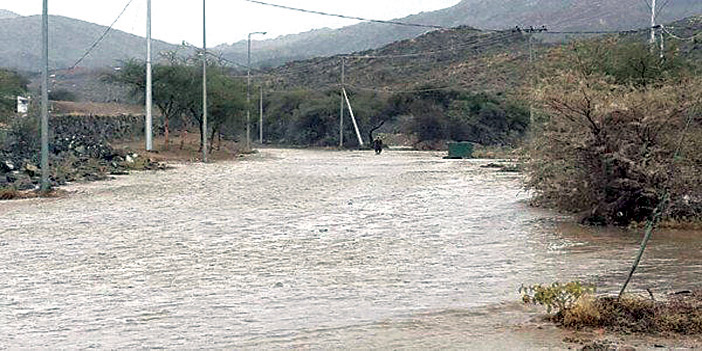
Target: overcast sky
<point x="228" y="21"/>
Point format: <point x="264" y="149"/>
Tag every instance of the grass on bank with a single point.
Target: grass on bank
<point x="574" y="306"/>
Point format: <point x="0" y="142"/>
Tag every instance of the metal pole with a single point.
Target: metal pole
<point x="248" y="92"/>
<point x="204" y="84"/>
<point x="45" y="186"/>
<point x="653" y="21"/>
<point x="341" y="110"/>
<point x="662" y="43"/>
<point x="260" y="120"/>
<point x="149" y="120"/>
<point x="531" y="64"/>
<point x="248" y="96"/>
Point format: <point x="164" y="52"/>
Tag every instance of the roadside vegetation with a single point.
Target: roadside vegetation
<point x="12" y="84"/>
<point x="618" y="127"/>
<point x="177" y="94"/>
<point x="575" y="306"/>
<point x="429" y="117"/>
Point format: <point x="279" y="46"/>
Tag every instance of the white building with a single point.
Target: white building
<point x="22" y="105"/>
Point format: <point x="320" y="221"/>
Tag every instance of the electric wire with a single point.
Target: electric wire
<point x="346" y="16"/>
<point x="102" y="37"/>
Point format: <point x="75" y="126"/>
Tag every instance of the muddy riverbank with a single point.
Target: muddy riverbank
<point x="311" y="249"/>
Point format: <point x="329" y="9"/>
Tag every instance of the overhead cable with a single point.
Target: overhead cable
<point x="346" y="16"/>
<point x="104" y="34"/>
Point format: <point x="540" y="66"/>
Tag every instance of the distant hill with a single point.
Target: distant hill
<point x="461" y="58"/>
<point x="20" y="43"/>
<point x="7" y="14"/>
<point x="562" y="15"/>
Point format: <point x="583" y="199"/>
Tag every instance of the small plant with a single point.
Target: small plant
<point x="555" y="296"/>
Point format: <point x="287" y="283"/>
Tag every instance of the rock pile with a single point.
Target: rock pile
<point x="74" y="158"/>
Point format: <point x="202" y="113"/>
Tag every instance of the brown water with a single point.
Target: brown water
<point x="304" y="249"/>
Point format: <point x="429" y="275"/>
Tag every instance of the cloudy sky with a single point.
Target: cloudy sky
<point x="227" y="20"/>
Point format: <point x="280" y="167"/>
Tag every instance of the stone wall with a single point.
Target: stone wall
<point x="104" y="128"/>
<point x="79" y="149"/>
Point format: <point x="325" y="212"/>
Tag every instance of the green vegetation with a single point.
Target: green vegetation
<point x="613" y="137"/>
<point x="11" y="85"/>
<point x="177" y="92"/>
<point x="440" y="115"/>
<point x="557" y="296"/>
<point x="62" y="95"/>
<point x="430" y="116"/>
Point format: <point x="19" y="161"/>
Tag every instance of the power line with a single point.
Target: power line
<point x="345" y="16"/>
<point x="104" y="34"/>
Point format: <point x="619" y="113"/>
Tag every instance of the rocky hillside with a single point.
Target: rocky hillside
<point x="461" y="58"/>
<point x="20" y="46"/>
<point x="485" y="14"/>
<point x="455" y="58"/>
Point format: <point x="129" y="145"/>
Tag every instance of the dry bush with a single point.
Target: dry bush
<point x="609" y="150"/>
<point x="9" y="194"/>
<point x="680" y="314"/>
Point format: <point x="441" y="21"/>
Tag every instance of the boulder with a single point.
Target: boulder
<point x="6" y="166"/>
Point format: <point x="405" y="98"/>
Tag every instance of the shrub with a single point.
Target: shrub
<point x="609" y="149"/>
<point x="556" y="296"/>
<point x="62" y="95"/>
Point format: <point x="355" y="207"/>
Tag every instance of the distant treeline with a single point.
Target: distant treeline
<point x="428" y="115"/>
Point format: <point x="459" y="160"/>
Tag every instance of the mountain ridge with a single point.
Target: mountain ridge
<point x="69" y="38"/>
<point x="570" y="15"/>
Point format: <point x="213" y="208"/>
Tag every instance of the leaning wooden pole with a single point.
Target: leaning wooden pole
<point x="650" y="226"/>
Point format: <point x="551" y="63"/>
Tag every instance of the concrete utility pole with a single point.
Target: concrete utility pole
<point x="149" y="120"/>
<point x="260" y="120"/>
<point x="653" y="22"/>
<point x="531" y="65"/>
<point x="248" y="92"/>
<point x="45" y="186"/>
<point x="204" y="83"/>
<point x="341" y="110"/>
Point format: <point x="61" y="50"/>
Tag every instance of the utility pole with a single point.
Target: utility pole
<point x="45" y="186"/>
<point x="204" y="83"/>
<point x="653" y="22"/>
<point x="248" y="92"/>
<point x="149" y="120"/>
<point x="260" y="119"/>
<point x="662" y="43"/>
<point x="341" y="110"/>
<point x="531" y="65"/>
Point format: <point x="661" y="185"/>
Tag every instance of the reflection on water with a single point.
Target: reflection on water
<point x="301" y="249"/>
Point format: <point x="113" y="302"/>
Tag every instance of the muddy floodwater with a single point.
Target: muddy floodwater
<point x="305" y="249"/>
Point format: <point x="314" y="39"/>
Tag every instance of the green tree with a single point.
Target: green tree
<point x="177" y="92"/>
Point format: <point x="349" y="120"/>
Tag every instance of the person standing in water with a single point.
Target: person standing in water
<point x="378" y="145"/>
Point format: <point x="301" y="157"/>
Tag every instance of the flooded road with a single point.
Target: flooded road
<point x="304" y="249"/>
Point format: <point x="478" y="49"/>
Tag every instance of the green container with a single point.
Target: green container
<point x="458" y="150"/>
